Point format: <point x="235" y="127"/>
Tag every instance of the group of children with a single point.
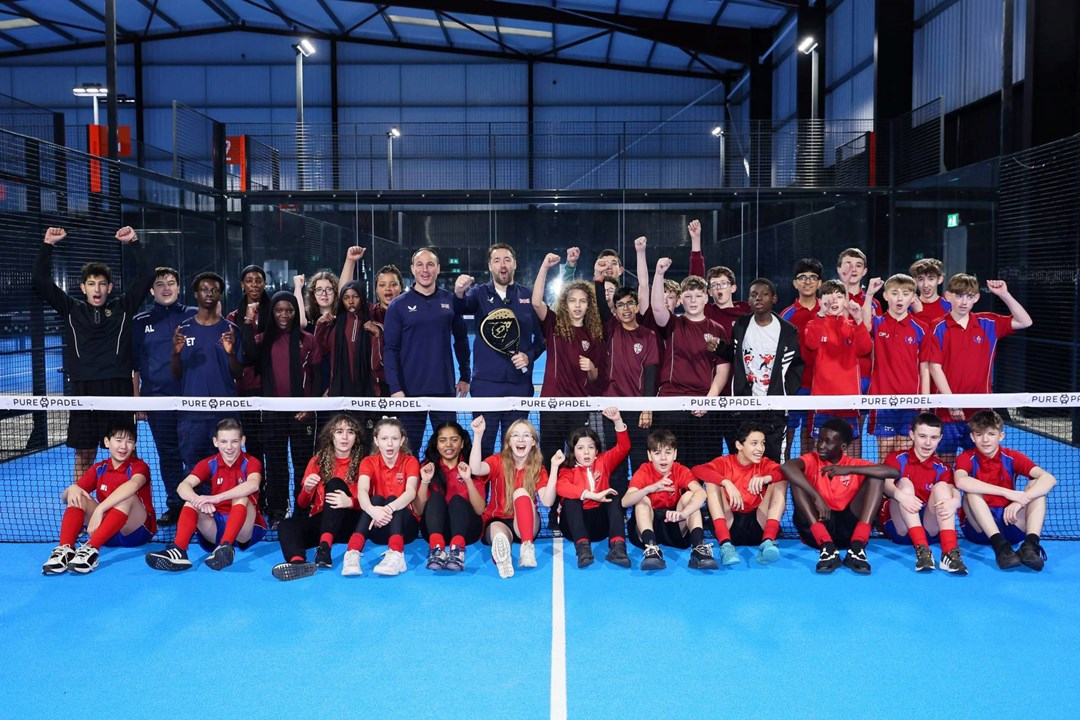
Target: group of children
<point x="662" y="338"/>
<point x="457" y="497"/>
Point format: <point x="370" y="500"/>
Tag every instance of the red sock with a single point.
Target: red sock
<point x="111" y="524"/>
<point x="524" y="513"/>
<point x="719" y="526"/>
<point x="185" y="527"/>
<point x="772" y="529"/>
<point x="917" y="535"/>
<point x="297" y="559"/>
<point x="356" y="541"/>
<point x="397" y="543"/>
<point x="948" y="540"/>
<point x="617" y="538"/>
<point x="821" y="535"/>
<point x="71" y="525"/>
<point x="458" y="540"/>
<point x="327" y="538"/>
<point x="237" y="517"/>
<point x="862" y="533"/>
<point x="437" y="541"/>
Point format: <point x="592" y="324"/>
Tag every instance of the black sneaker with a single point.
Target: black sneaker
<point x="171" y="559"/>
<point x="287" y="571"/>
<point x="828" y="559"/>
<point x="924" y="559"/>
<point x="616" y="554"/>
<point x="1006" y="557"/>
<point x="952" y="563"/>
<point x="653" y="559"/>
<point x="1032" y="555"/>
<point x="322" y="556"/>
<point x="455" y="558"/>
<point x="169" y="517"/>
<point x="221" y="557"/>
<point x="701" y="558"/>
<point x="584" y="554"/>
<point x="856" y="559"/>
<point x="436" y="559"/>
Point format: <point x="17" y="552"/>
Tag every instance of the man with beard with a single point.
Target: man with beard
<point x="500" y="373"/>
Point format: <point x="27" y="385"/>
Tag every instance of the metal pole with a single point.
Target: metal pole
<point x="300" y="149"/>
<point x="110" y="77"/>
<point x="389" y="161"/>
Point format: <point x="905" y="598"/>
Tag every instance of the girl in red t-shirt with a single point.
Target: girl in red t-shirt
<point x="449" y="500"/>
<point x="329" y="495"/>
<point x="515" y="476"/>
<point x="385" y="488"/>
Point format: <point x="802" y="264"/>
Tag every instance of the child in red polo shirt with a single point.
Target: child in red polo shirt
<point x="666" y="502"/>
<point x="747" y="496"/>
<point x="899" y="359"/>
<point x="836" y="498"/>
<point x="122" y="515"/>
<point x="962" y="349"/>
<point x="925" y="483"/>
<point x="589" y="510"/>
<point x="996" y="513"/>
<point x="807" y="282"/>
<point x="851" y="268"/>
<point x="227" y="515"/>
<point x="929" y="307"/>
<point x="386" y="488"/>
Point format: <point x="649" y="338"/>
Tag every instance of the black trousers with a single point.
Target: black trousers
<point x="402" y="523"/>
<point x="448" y="519"/>
<point x="300" y="532"/>
<point x="283" y="431"/>
<point x="606" y="521"/>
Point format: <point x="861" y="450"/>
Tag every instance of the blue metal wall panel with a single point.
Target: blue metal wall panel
<point x="839" y="26"/>
<point x="367" y="85"/>
<point x="433" y="84"/>
<point x="784" y="77"/>
<point x="1019" y="39"/>
<point x="496" y="84"/>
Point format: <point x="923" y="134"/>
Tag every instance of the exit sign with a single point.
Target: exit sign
<point x="952" y="220"/>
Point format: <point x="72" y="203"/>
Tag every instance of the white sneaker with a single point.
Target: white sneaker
<point x="392" y="563"/>
<point x="350" y="564"/>
<point x="85" y="559"/>
<point x="527" y="555"/>
<point x="500" y="553"/>
<point x="58" y="560"/>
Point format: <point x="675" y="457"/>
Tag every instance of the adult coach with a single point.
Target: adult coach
<point x="97" y="335"/>
<point x="418" y="329"/>
<point x="505" y="371"/>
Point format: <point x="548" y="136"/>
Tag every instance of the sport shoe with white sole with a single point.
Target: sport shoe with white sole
<point x="392" y="563"/>
<point x="500" y="553"/>
<point x="350" y="564"/>
<point x="58" y="560"/>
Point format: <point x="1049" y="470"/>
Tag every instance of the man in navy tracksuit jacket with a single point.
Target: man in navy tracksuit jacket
<point x="494" y="373"/>
<point x="151" y="359"/>
<point x="417" y="331"/>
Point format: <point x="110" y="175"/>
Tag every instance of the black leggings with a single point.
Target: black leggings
<point x="300" y="532"/>
<point x="606" y="521"/>
<point x="283" y="431"/>
<point x="449" y="519"/>
<point x="402" y="523"/>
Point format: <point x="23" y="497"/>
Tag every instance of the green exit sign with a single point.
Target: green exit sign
<point x="952" y="220"/>
<point x="455" y="261"/>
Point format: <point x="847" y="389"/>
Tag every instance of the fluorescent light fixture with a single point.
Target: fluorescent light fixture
<point x="90" y="90"/>
<point x="808" y="45"/>
<point x="394" y="133"/>
<point x="717" y="131"/>
<point x="17" y="23"/>
<point x="304" y="47"/>
<point x="746" y="166"/>
<point x="451" y="25"/>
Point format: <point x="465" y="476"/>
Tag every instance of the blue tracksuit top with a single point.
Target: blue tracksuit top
<point x="152" y="347"/>
<point x="416" y="351"/>
<point x="490" y="365"/>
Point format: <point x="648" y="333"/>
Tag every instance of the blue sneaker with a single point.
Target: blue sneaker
<point x="728" y="554"/>
<point x="768" y="552"/>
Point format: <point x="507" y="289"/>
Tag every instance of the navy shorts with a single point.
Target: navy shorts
<point x="889" y="528"/>
<point x="955" y="438"/>
<point x="891" y="423"/>
<point x="1011" y="533"/>
<point x="138" y="536"/>
<point x="257" y="533"/>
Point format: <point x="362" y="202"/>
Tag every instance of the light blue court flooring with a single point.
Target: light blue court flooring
<point x="748" y="642"/>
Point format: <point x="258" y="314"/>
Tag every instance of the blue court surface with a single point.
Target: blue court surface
<point x="777" y="642"/>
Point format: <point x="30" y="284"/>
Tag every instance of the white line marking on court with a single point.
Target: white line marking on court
<point x="558" y="634"/>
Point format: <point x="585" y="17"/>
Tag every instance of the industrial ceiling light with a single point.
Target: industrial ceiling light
<point x="304" y="47"/>
<point x="90" y="90"/>
<point x="717" y="131"/>
<point x="808" y="45"/>
<point x="393" y="133"/>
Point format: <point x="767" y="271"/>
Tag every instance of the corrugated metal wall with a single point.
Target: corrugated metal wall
<point x="849" y="91"/>
<point x="958" y="50"/>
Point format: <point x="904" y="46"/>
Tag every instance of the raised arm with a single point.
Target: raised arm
<point x="569" y="270"/>
<point x="697" y="260"/>
<point x="348" y="270"/>
<point x="142" y="275"/>
<point x="539" y="306"/>
<point x="867" y="310"/>
<point x="659" y="309"/>
<point x="298" y="293"/>
<point x="41" y="278"/>
<point x="642" y="270"/>
<point x="476" y="455"/>
<point x="1021" y="320"/>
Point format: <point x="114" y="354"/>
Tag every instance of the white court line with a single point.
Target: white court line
<point x="558" y="633"/>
